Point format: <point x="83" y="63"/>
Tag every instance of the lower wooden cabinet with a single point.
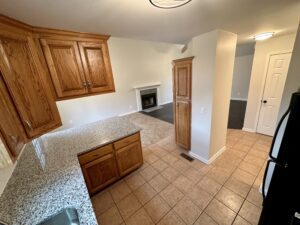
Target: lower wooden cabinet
<point x="100" y="172"/>
<point x="109" y="163"/>
<point x="129" y="158"/>
<point x="182" y="124"/>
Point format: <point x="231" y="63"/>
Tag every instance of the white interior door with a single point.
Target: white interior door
<point x="274" y="85"/>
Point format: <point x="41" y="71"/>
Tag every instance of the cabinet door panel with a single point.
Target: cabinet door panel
<point x="10" y="125"/>
<point x="100" y="172"/>
<point x="25" y="79"/>
<point x="129" y="158"/>
<point x="183" y="81"/>
<point x="96" y="66"/>
<point x="182" y="123"/>
<point x="65" y="67"/>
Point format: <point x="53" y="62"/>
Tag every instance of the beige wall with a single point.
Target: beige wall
<point x="263" y="50"/>
<point x="134" y="63"/>
<point x="225" y="57"/>
<point x="203" y="47"/>
<point x="6" y="167"/>
<point x="241" y="77"/>
<point x="211" y="87"/>
<point x="292" y="83"/>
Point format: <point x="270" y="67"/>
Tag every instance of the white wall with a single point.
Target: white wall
<point x="241" y="77"/>
<point x="203" y="48"/>
<point x="225" y="57"/>
<point x="211" y="87"/>
<point x="134" y="63"/>
<point x="6" y="167"/>
<point x="292" y="85"/>
<point x="260" y="62"/>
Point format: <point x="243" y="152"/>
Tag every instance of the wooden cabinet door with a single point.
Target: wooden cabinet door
<point x="182" y="123"/>
<point x="65" y="67"/>
<point x="11" y="128"/>
<point x="182" y="90"/>
<point x="129" y="158"/>
<point x="24" y="76"/>
<point x="182" y="80"/>
<point x="100" y="172"/>
<point x="97" y="67"/>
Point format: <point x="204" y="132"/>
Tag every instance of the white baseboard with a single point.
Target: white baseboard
<point x="167" y="102"/>
<point x="199" y="157"/>
<point x="124" y="114"/>
<point x="215" y="156"/>
<point x="208" y="161"/>
<point x="248" y="130"/>
<point x="239" y="99"/>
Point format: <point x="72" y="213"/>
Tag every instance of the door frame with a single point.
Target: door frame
<point x="264" y="82"/>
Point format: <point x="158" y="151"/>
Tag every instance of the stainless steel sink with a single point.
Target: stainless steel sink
<point x="67" y="216"/>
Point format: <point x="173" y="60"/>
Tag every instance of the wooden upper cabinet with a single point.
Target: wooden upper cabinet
<point x="96" y="66"/>
<point x="11" y="129"/>
<point x="24" y="76"/>
<point x="65" y="67"/>
<point x="183" y="80"/>
<point x="78" y="66"/>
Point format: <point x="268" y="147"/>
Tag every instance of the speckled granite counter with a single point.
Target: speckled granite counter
<point x="48" y="177"/>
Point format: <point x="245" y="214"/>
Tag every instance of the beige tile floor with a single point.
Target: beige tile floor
<point x="169" y="190"/>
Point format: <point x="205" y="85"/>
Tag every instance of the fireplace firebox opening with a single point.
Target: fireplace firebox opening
<point x="149" y="98"/>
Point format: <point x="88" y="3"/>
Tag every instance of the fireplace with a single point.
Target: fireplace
<point x="148" y="98"/>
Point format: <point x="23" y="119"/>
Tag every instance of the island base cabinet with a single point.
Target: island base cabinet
<point x="100" y="173"/>
<point x="129" y="158"/>
<point x="109" y="163"/>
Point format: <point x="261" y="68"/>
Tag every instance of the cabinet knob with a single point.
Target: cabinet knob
<point x="14" y="138"/>
<point x="28" y="125"/>
<point x="89" y="84"/>
<point x="84" y="84"/>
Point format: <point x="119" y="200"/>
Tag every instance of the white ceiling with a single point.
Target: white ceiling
<point x="139" y="19"/>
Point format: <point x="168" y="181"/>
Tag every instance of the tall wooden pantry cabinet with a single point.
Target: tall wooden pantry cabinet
<point x="182" y="91"/>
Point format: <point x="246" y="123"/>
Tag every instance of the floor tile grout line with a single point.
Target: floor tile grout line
<point x="215" y="198"/>
<point x="245" y="199"/>
<point x="175" y="151"/>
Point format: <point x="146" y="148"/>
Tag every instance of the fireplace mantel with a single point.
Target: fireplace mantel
<point x="140" y="88"/>
<point x="147" y="86"/>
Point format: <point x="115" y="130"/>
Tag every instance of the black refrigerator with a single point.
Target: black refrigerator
<point x="281" y="191"/>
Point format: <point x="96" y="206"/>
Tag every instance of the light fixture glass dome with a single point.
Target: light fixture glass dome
<point x="263" y="36"/>
<point x="167" y="4"/>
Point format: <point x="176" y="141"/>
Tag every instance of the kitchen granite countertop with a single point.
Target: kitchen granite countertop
<point x="48" y="176"/>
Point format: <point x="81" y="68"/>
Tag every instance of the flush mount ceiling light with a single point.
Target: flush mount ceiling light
<point x="263" y="36"/>
<point x="168" y="4"/>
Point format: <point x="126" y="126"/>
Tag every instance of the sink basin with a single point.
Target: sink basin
<point x="67" y="216"/>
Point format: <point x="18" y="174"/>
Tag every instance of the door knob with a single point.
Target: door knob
<point x="264" y="101"/>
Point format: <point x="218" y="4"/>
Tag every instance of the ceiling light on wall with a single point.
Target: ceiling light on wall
<point x="263" y="36"/>
<point x="168" y="4"/>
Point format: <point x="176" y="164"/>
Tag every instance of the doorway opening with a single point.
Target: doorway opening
<point x="240" y="85"/>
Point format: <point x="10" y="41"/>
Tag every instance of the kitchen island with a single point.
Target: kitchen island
<point x="48" y="176"/>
